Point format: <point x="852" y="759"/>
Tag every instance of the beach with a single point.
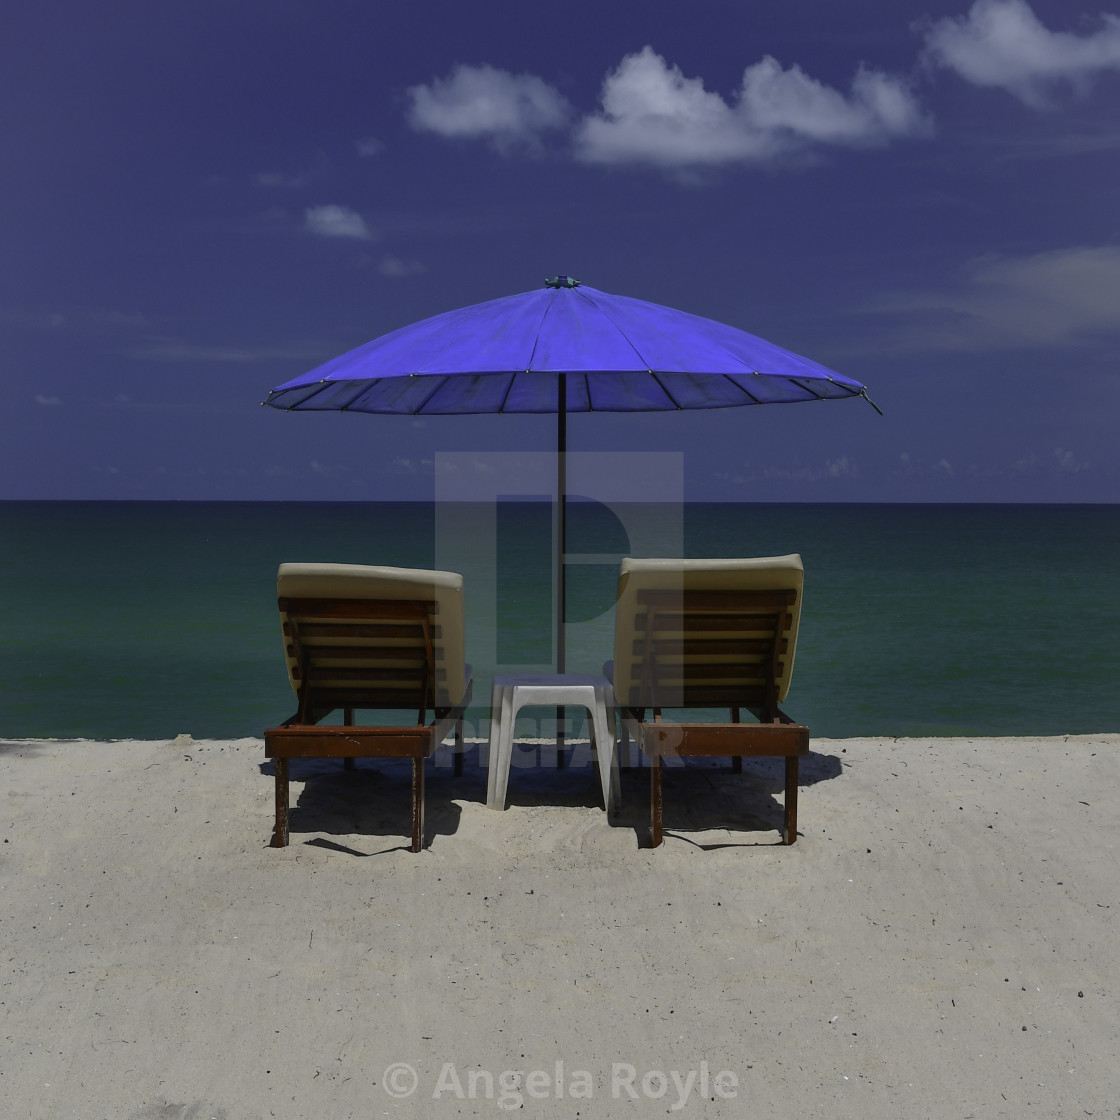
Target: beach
<point x="939" y="941"/>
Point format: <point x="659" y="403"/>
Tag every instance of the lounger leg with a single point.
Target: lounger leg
<point x="458" y="748"/>
<point x="417" y="804"/>
<point x="791" y="799"/>
<point x="737" y="761"/>
<point x="655" y="814"/>
<point x="280" y="832"/>
<point x="348" y="721"/>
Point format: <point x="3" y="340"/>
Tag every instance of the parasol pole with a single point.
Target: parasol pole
<point x="561" y="528"/>
<point x="561" y="542"/>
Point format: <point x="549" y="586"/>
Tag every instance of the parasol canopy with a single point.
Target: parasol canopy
<point x="563" y="348"/>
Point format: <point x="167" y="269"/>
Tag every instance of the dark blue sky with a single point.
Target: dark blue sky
<point x="201" y="201"/>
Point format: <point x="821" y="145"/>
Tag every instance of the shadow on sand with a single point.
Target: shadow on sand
<point x="701" y="794"/>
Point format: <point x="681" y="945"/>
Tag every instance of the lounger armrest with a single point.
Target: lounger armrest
<point x="312" y="741"/>
<point x="728" y="740"/>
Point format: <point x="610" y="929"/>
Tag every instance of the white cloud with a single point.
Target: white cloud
<point x="878" y="107"/>
<point x="394" y="266"/>
<point x="336" y="221"/>
<point x="914" y="468"/>
<point x="329" y="470"/>
<point x="1002" y="43"/>
<point x="48" y="401"/>
<point x="410" y="466"/>
<point x="1061" y="462"/>
<point x="315" y="170"/>
<point x="651" y="113"/>
<point x="482" y="102"/>
<point x="159" y="348"/>
<point x="279" y="179"/>
<point x="841" y="468"/>
<point x="1046" y="299"/>
<point x="35" y="319"/>
<point x="78" y="320"/>
<point x="833" y="470"/>
<point x="369" y="146"/>
<point x="1065" y="462"/>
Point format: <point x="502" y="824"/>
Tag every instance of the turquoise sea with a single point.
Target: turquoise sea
<point x="145" y="620"/>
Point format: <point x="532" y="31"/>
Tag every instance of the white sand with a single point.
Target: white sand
<point x="941" y="941"/>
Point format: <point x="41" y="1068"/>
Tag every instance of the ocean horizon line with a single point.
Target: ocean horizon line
<point x="520" y="499"/>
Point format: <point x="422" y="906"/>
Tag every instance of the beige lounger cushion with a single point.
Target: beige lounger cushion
<point x="762" y="573"/>
<point x="364" y="581"/>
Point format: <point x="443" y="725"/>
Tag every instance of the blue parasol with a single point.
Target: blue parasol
<point x="562" y="348"/>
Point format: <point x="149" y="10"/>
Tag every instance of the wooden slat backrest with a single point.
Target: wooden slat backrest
<point x="361" y="653"/>
<point x="696" y="649"/>
<point x="330" y="582"/>
<point x="717" y="589"/>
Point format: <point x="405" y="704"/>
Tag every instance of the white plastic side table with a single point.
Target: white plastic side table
<point x="570" y="690"/>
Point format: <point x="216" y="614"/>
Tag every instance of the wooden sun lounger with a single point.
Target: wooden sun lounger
<point x="357" y="638"/>
<point x="710" y="634"/>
